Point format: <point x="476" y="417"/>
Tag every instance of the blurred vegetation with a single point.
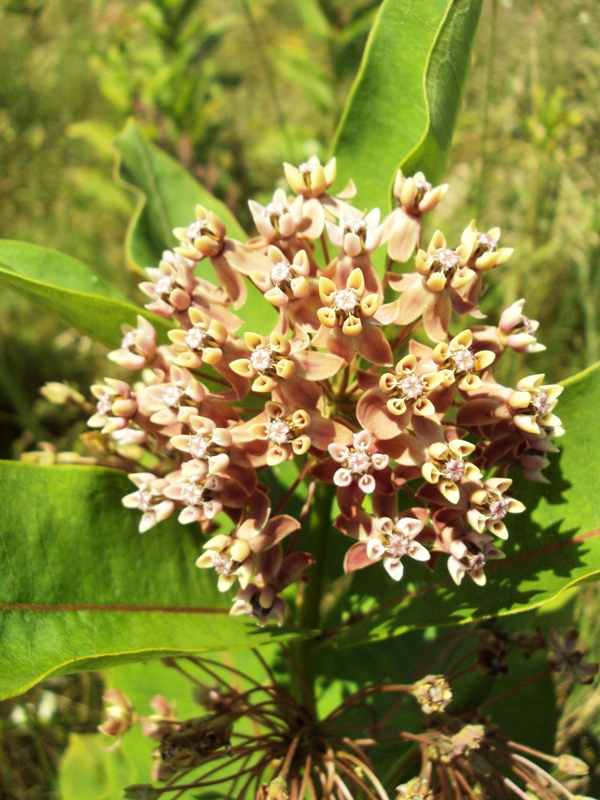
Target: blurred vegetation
<point x="232" y="88"/>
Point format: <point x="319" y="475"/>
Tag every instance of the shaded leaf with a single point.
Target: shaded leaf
<point x="167" y="196"/>
<point x="70" y="290"/>
<point x="551" y="547"/>
<point x="406" y="96"/>
<point x="87" y="771"/>
<point x="81" y="589"/>
<point x="103" y="774"/>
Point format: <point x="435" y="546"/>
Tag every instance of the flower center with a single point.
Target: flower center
<point x="279" y="431"/>
<point x="448" y="260"/>
<point x="164" y="285"/>
<point x="171" y="396"/>
<point x="275" y="209"/>
<point x="345" y="300"/>
<point x="280" y="272"/>
<point x="541" y="403"/>
<point x="422" y="186"/>
<point x="498" y="509"/>
<point x="194" y="338"/>
<point x="305" y="168"/>
<point x="488" y="242"/>
<point x="477" y="562"/>
<point x="104" y="405"/>
<point x="144" y="501"/>
<point x="192" y="494"/>
<point x="128" y="340"/>
<point x="526" y="325"/>
<point x="355" y="224"/>
<point x="224" y="565"/>
<point x="411" y="387"/>
<point x="199" y="446"/>
<point x="359" y="462"/>
<point x="195" y="230"/>
<point x="261" y="359"/>
<point x="463" y="359"/>
<point x="398" y="545"/>
<point x="454" y="469"/>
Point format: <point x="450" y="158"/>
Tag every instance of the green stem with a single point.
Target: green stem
<point x="319" y="525"/>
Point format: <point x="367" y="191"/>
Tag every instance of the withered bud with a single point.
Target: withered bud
<point x="529" y="641"/>
<point x="433" y="693"/>
<point x="467" y="739"/>
<point x="196" y="738"/>
<point x="416" y="789"/>
<point x="276" y="790"/>
<point x="571" y="767"/>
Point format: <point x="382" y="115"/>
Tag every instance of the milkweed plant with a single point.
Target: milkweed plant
<point x="410" y="438"/>
<point x="373" y="378"/>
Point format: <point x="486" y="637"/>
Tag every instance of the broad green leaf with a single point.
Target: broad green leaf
<point x="445" y="79"/>
<point x="167" y="196"/>
<point x="81" y="589"/>
<point x="70" y="290"/>
<point x="405" y="99"/>
<point x="551" y="547"/>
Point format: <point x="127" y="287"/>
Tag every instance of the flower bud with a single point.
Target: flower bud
<point x="61" y="394"/>
<point x="571" y="767"/>
<point x="120" y="715"/>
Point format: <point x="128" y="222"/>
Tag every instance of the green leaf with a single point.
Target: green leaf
<point x="405" y="99"/>
<point x="167" y="196"/>
<point x="70" y="290"/>
<point x="81" y="589"/>
<point x="551" y="547"/>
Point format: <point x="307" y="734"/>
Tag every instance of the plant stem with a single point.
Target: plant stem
<point x="319" y="524"/>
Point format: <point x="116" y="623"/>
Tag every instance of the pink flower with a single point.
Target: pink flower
<point x="138" y="345"/>
<point x="120" y="715"/>
<point x="470" y="555"/>
<point x="149" y="498"/>
<point x="402" y="228"/>
<point x="356" y="234"/>
<point x="389" y="541"/>
<point x="358" y="462"/>
<point x="517" y="331"/>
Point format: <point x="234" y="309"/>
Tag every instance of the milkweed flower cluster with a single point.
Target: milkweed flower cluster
<point x="357" y="377"/>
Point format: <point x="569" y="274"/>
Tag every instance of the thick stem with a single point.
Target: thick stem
<point x="319" y="524"/>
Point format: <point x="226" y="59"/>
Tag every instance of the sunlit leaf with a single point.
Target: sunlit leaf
<point x="553" y="546"/>
<point x="70" y="290"/>
<point x="406" y="95"/>
<point x="81" y="589"/>
<point x="167" y="196"/>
